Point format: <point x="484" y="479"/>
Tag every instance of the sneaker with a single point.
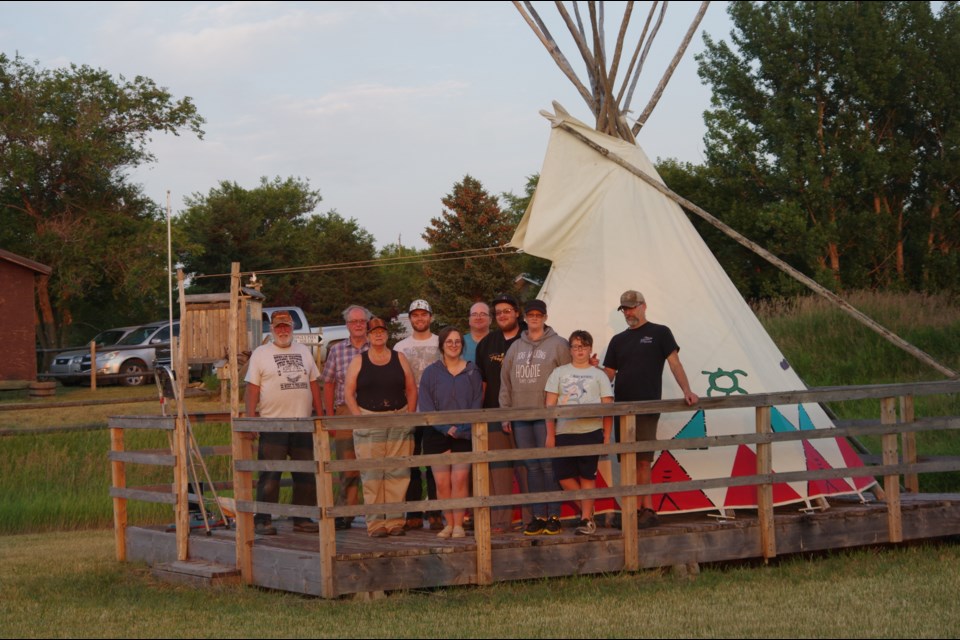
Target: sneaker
<point x="553" y="526"/>
<point x="341" y="524"/>
<point x="306" y="526"/>
<point x="446" y="532"/>
<point x="647" y="518"/>
<point x="458" y="532"/>
<point x="535" y="528"/>
<point x="264" y="529"/>
<point x="587" y="528"/>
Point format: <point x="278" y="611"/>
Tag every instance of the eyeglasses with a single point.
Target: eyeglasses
<point x="581" y="347"/>
<point x="453" y="343"/>
<point x="504" y="312"/>
<point x="479" y="314"/>
<point x="536" y="315"/>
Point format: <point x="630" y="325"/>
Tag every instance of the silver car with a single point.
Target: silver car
<point x="134" y="358"/>
<point x="67" y="366"/>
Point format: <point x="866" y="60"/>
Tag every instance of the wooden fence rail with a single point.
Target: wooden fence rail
<point x="889" y="428"/>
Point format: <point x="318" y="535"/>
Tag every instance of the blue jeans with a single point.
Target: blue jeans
<point x="528" y="435"/>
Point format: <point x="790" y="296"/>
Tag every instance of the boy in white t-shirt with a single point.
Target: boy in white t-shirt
<point x="578" y="383"/>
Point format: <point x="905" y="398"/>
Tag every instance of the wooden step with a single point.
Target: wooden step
<point x="197" y="573"/>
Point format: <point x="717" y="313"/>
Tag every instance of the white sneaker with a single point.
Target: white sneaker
<point x="587" y="528"/>
<point x="446" y="532"/>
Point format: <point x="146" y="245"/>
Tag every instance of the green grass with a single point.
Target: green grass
<point x="68" y="585"/>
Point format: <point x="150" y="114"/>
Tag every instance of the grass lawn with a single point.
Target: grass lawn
<point x="67" y="584"/>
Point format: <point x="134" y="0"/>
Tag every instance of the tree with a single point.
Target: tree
<point x="273" y="226"/>
<point x="456" y="276"/>
<point x="840" y="111"/>
<point x="401" y="277"/>
<point x="68" y="137"/>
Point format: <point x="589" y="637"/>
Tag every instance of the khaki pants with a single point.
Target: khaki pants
<point x="343" y="450"/>
<point x="383" y="486"/>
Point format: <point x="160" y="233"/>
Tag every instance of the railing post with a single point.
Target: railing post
<point x="181" y="488"/>
<point x="328" y="531"/>
<point x="768" y="544"/>
<point x="628" y="504"/>
<point x="119" y="475"/>
<point x="241" y="443"/>
<point x="481" y="514"/>
<point x="93" y="366"/>
<point x="911" y="481"/>
<point x="891" y="483"/>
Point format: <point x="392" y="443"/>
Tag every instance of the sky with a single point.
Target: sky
<point x="382" y="107"/>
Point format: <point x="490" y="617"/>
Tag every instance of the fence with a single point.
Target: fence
<point x="890" y="428"/>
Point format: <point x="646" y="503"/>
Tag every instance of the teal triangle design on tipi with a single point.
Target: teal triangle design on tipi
<point x="779" y="423"/>
<point x="806" y="424"/>
<point x="696" y="427"/>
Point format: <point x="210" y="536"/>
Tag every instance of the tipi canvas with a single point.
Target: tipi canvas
<point x="607" y="231"/>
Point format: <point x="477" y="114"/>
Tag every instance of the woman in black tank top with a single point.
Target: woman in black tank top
<point x="380" y="381"/>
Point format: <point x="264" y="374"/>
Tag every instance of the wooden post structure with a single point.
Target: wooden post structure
<point x="481" y="515"/>
<point x="241" y="443"/>
<point x="181" y="451"/>
<point x="628" y="504"/>
<point x="768" y="544"/>
<point x="328" y="530"/>
<point x="891" y="483"/>
<point x="119" y="474"/>
<point x="911" y="481"/>
<point x="93" y="365"/>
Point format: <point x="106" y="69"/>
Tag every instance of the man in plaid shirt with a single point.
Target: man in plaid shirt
<point x="334" y="377"/>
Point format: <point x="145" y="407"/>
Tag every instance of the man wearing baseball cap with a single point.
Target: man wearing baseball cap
<point x="421" y="349"/>
<point x="282" y="383"/>
<point x="634" y="362"/>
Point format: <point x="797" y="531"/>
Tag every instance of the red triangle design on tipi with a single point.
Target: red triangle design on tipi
<point x="667" y="469"/>
<point x="852" y="460"/>
<point x="745" y="464"/>
<point x="829" y="486"/>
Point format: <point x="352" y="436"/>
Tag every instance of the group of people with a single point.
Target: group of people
<point x="524" y="363"/>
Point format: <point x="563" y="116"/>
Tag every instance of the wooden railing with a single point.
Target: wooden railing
<point x="626" y="491"/>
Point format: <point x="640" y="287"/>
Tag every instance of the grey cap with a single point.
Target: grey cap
<point x="630" y="299"/>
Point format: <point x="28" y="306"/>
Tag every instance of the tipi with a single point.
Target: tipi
<point x="607" y="231"/>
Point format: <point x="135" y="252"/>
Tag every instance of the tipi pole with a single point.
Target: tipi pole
<point x="812" y="284"/>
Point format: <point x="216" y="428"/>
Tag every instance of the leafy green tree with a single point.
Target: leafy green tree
<point x="273" y="226"/>
<point x="838" y="111"/>
<point x="402" y="279"/>
<point x="472" y="219"/>
<point x="68" y="138"/>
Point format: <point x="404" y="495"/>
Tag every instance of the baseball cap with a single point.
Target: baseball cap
<point x="376" y="323"/>
<point x="281" y="317"/>
<point x="535" y="305"/>
<point x="506" y="298"/>
<point x="630" y="299"/>
<point x="420" y="304"/>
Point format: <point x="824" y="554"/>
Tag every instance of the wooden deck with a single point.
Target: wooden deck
<point x="291" y="561"/>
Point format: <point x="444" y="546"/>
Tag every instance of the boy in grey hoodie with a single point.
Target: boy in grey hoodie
<point x="523" y="378"/>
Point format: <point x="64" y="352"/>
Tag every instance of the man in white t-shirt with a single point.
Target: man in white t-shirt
<point x="282" y="383"/>
<point x="422" y="349"/>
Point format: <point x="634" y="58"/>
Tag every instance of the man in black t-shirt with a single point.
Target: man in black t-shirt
<point x="634" y="363"/>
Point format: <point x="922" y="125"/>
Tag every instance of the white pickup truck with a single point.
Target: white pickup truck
<point x="320" y="339"/>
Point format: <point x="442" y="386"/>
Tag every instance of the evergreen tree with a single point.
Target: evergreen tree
<point x="471" y="219"/>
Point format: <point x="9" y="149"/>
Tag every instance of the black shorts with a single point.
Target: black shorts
<point x="578" y="466"/>
<point x="436" y="442"/>
<point x="646" y="430"/>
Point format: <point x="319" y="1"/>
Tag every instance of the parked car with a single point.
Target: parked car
<point x="135" y="360"/>
<point x="67" y="363"/>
